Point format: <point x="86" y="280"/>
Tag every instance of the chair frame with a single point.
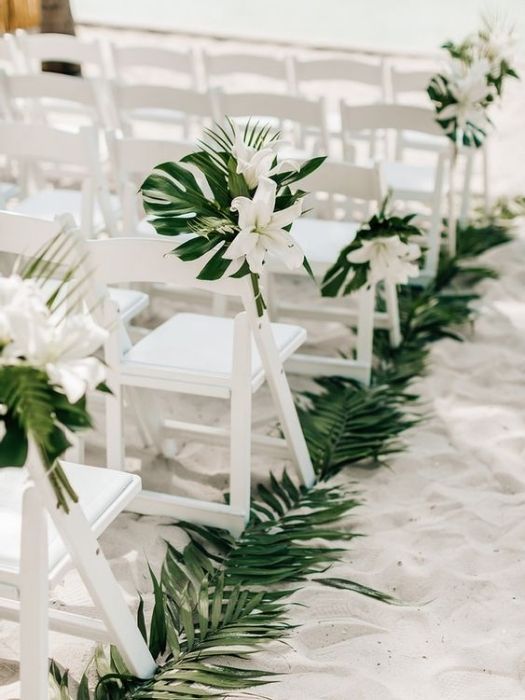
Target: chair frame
<point x="352" y="182"/>
<point x="148" y="260"/>
<point x="116" y="624"/>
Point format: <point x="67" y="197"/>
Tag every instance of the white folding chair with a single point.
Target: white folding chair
<point x="38" y="48"/>
<point x="300" y="120"/>
<point x="244" y="69"/>
<point x="137" y="106"/>
<point x="40" y="542"/>
<point x="33" y="147"/>
<point x="347" y="189"/>
<point x="204" y="356"/>
<point x="408" y="182"/>
<point x="154" y="64"/>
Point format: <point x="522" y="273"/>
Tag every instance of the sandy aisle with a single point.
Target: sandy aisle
<point x="445" y="526"/>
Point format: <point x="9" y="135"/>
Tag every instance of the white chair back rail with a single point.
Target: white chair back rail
<point x="38" y="48"/>
<point x="158" y="103"/>
<point x="222" y="68"/>
<point x="288" y="113"/>
<point x="149" y="260"/>
<point x="154" y="64"/>
<point x="33" y="97"/>
<point x="341" y="69"/>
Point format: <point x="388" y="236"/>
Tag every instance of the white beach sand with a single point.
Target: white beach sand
<point x="445" y="524"/>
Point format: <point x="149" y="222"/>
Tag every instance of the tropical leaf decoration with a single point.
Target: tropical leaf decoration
<point x="479" y="67"/>
<point x="382" y="249"/>
<point x="248" y="211"/>
<point x="42" y="394"/>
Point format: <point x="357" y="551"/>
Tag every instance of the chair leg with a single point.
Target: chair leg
<point x="282" y="396"/>
<point x="115" y="428"/>
<point x="34" y="599"/>
<point x="486" y="176"/>
<point x="365" y="327"/>
<point x="98" y="578"/>
<point x="467" y="189"/>
<point x="392" y="309"/>
<point x="241" y="418"/>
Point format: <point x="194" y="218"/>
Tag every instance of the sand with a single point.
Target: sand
<point x="445" y="524"/>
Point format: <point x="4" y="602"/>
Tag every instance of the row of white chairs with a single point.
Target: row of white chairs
<point x="283" y="71"/>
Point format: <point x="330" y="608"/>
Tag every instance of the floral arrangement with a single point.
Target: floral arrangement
<point x="248" y="212"/>
<point x="46" y="365"/>
<point x="381" y="251"/>
<point x="472" y="82"/>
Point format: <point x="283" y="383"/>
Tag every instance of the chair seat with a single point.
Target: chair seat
<point x="103" y="494"/>
<point x="197" y="349"/>
<point x="405" y="179"/>
<point x="47" y="204"/>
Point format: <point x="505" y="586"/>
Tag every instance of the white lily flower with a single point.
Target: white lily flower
<point x="389" y="258"/>
<point x="68" y="357"/>
<point x="468" y="86"/>
<point x="23" y="311"/>
<point x="257" y="164"/>
<point x="29" y="333"/>
<point x="262" y="229"/>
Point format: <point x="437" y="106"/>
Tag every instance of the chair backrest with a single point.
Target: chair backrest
<point x="410" y="86"/>
<point x="39" y="142"/>
<point x="34" y="98"/>
<point x="158" y="103"/>
<point x="154" y="64"/>
<point x="340" y="70"/>
<point x="222" y="68"/>
<point x="133" y="160"/>
<point x="343" y="188"/>
<point x="130" y="260"/>
<point x="24" y="235"/>
<point x="287" y="112"/>
<point x="27" y="237"/>
<point x="385" y="117"/>
<point x="38" y="48"/>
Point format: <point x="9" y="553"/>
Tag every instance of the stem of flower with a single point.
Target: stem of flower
<point x="259" y="300"/>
